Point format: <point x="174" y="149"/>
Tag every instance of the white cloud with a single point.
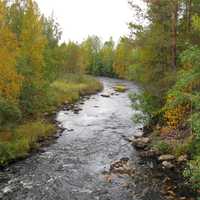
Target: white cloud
<point x="80" y="18"/>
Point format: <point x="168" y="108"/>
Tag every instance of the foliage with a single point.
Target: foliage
<point x="9" y="113"/>
<point x="23" y="139"/>
<point x="123" y="58"/>
<point x="161" y="146"/>
<point x="147" y="106"/>
<point x="192" y="172"/>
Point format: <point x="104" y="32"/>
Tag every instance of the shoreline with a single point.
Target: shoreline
<point x="175" y="185"/>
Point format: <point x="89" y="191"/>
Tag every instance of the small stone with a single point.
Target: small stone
<point x="46" y="114"/>
<point x="166" y="157"/>
<point x="105" y="95"/>
<point x="183" y="198"/>
<point x="66" y="102"/>
<point x="149" y="153"/>
<point x="141" y="142"/>
<point x="182" y="159"/>
<point x="167" y="164"/>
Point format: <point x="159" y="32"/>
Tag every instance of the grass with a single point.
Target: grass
<point x="21" y="140"/>
<point x="71" y="87"/>
<point x="120" y="88"/>
<point x="18" y="141"/>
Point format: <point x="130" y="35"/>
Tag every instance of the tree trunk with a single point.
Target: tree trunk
<point x="189" y="15"/>
<point x="174" y="33"/>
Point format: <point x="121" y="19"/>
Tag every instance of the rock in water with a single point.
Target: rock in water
<point x="120" y="88"/>
<point x="141" y="142"/>
<point x="105" y="95"/>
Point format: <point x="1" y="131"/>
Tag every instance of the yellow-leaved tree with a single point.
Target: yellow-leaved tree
<point x="10" y="81"/>
<point x="31" y="60"/>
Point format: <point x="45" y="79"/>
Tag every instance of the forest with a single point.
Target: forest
<point x="38" y="73"/>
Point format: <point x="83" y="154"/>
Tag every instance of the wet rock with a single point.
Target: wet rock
<point x="182" y="159"/>
<point x="149" y="153"/>
<point x="77" y="109"/>
<point x="167" y="164"/>
<point x="167" y="157"/>
<point x="138" y="134"/>
<point x="122" y="167"/>
<point x="105" y="95"/>
<point x="7" y="190"/>
<point x="141" y="142"/>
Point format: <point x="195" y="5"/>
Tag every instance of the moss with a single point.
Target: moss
<point x="120" y="88"/>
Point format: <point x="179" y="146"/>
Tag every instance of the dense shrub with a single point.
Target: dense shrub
<point x="9" y="113"/>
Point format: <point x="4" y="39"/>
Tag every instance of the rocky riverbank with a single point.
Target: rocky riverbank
<point x="170" y="167"/>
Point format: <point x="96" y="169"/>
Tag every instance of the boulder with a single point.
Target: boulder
<point x="167" y="157"/>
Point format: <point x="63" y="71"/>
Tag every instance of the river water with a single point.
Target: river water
<point x="74" y="166"/>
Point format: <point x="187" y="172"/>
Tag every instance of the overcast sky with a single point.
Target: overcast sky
<point x="80" y="18"/>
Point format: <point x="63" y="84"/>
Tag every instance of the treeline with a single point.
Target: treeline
<point x="30" y="59"/>
<point x="100" y="58"/>
<point x="166" y="63"/>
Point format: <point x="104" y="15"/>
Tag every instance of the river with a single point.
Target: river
<point x="75" y="166"/>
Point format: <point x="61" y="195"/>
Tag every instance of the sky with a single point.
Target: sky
<point x="80" y="18"/>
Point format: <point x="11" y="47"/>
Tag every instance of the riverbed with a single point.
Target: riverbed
<point x="76" y="165"/>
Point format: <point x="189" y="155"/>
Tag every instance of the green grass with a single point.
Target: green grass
<point x="71" y="87"/>
<point x="120" y="88"/>
<point x="18" y="141"/>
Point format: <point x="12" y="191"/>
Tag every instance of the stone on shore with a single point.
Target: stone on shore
<point x="140" y="142"/>
<point x="167" y="157"/>
<point x="167" y="165"/>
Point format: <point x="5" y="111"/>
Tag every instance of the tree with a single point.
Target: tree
<point x="107" y="58"/>
<point x="91" y="48"/>
<point x="10" y="81"/>
<point x="123" y="57"/>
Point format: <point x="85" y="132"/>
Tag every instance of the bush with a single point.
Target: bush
<point x="148" y="108"/>
<point x="193" y="172"/>
<point x="24" y="138"/>
<point x="161" y="146"/>
<point x="9" y="113"/>
<point x="34" y="98"/>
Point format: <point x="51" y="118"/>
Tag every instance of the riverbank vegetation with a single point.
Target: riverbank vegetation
<point x="38" y="74"/>
<point x="166" y="65"/>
